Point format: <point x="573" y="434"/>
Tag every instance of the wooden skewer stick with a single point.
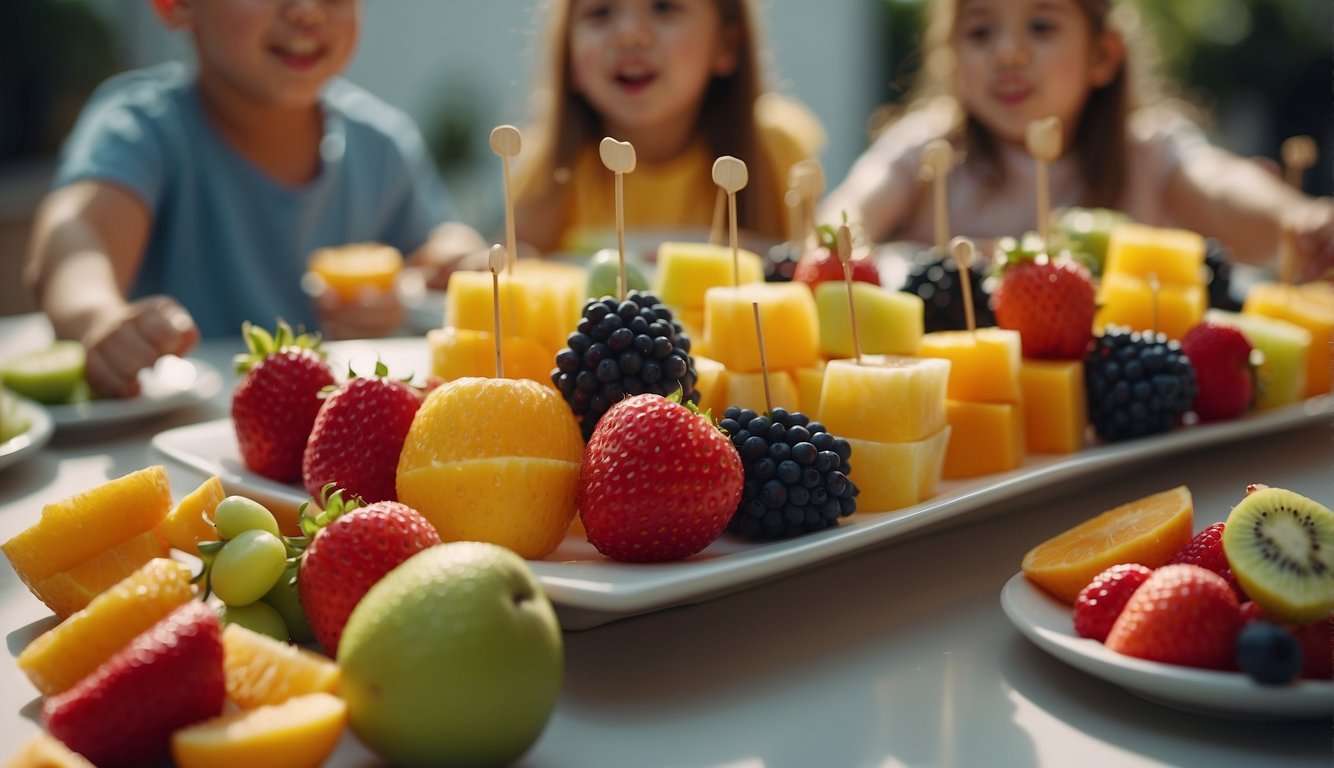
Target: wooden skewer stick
<point x="764" y="362"/>
<point x="1287" y="254"/>
<point x="719" y="215"/>
<point x="937" y="160"/>
<point x="1298" y="153"/>
<point x="505" y="141"/>
<point x="619" y="158"/>
<point x="810" y="185"/>
<point x="1044" y="144"/>
<point x="961" y="248"/>
<point x="1154" y="288"/>
<point x="730" y="174"/>
<point x="845" y="256"/>
<point x="496" y="261"/>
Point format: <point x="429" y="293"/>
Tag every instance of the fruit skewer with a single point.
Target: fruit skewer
<point x="496" y="261"/>
<point x="1044" y="144"/>
<point x="845" y="256"/>
<point x="506" y="142"/>
<point x="619" y="158"/>
<point x="731" y="176"/>
<point x="937" y="161"/>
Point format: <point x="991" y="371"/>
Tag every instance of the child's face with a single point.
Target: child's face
<point x="274" y="52"/>
<point x="1022" y="60"/>
<point x="645" y="64"/>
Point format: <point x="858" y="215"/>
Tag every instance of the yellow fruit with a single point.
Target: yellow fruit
<point x="1129" y="301"/>
<point x="1147" y="531"/>
<point x="260" y="670"/>
<point x="984" y="438"/>
<point x="746" y="390"/>
<point x="87" y="524"/>
<point x="1055" y="405"/>
<point x="188" y="524"/>
<point x="687" y="270"/>
<point x="61" y="657"/>
<point x="984" y="364"/>
<point x="1311" y="307"/>
<point x="791" y="326"/>
<point x="892" y="476"/>
<point x="1175" y="256"/>
<point x="888" y="322"/>
<point x="71" y="590"/>
<point x="711" y="384"/>
<point x="46" y="751"/>
<point x="299" y="733"/>
<point x="887" y="399"/>
<point x="349" y="269"/>
<point x="458" y="353"/>
<point x="493" y="460"/>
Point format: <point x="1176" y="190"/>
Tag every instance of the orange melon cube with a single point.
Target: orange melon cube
<point x="1176" y="256"/>
<point x="71" y="590"/>
<point x="984" y="364"/>
<point x="189" y="523"/>
<point x="788" y="313"/>
<point x="1055" y="405"/>
<point x="888" y="322"/>
<point x="746" y="390"/>
<point x="458" y="353"/>
<point x="1128" y="301"/>
<point x="886" y="399"/>
<point x="809" y="381"/>
<point x="1309" y="306"/>
<point x="984" y="438"/>
<point x="892" y="476"/>
<point x="686" y="271"/>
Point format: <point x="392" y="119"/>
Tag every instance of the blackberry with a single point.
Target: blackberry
<point x="780" y="262"/>
<point x="620" y="349"/>
<point x="1138" y="383"/>
<point x="796" y="474"/>
<point x="1218" y="269"/>
<point x="935" y="279"/>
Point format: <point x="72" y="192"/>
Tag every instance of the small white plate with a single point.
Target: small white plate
<point x="40" y="429"/>
<point x="170" y="384"/>
<point x="1048" y="623"/>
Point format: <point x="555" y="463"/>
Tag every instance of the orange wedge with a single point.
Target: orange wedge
<point x="188" y="524"/>
<point x="262" y="671"/>
<point x="1147" y="531"/>
<point x="46" y="751"/>
<point x="299" y="733"/>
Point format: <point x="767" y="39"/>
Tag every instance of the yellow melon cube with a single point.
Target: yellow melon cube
<point x="985" y="438"/>
<point x="1174" y="255"/>
<point x="563" y="296"/>
<point x="1285" y="347"/>
<point x="527" y="304"/>
<point x="888" y="399"/>
<point x="787" y="311"/>
<point x="746" y="390"/>
<point x="1128" y="301"/>
<point x="692" y="322"/>
<point x="809" y="382"/>
<point x="888" y="322"/>
<point x="892" y="476"/>
<point x="711" y="384"/>
<point x="71" y="590"/>
<point x="685" y="271"/>
<point x="1055" y="405"/>
<point x="1309" y="306"/>
<point x="457" y="353"/>
<point x="984" y="364"/>
<point x="188" y="524"/>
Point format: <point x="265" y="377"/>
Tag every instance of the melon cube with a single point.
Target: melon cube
<point x="887" y="399"/>
<point x="711" y="385"/>
<point x="984" y="438"/>
<point x="685" y="271"/>
<point x="791" y="332"/>
<point x="746" y="390"/>
<point x="984" y="364"/>
<point x="1055" y="405"/>
<point x="527" y="305"/>
<point x="1128" y="301"/>
<point x="564" y="297"/>
<point x="1174" y="255"/>
<point x="692" y="322"/>
<point x="458" y="353"/>
<point x="888" y="322"/>
<point x="892" y="476"/>
<point x="1309" y="306"/>
<point x="809" y="382"/>
<point x="1285" y="346"/>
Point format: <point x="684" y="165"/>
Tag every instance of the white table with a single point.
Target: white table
<point x="899" y="656"/>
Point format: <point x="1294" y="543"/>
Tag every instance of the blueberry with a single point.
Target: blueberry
<point x="804" y="453"/>
<point x="754" y="448"/>
<point x="1268" y="653"/>
<point x="621" y="339"/>
<point x="780" y="451"/>
<point x="789" y="472"/>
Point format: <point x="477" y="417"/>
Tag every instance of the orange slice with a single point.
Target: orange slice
<point x="299" y="733"/>
<point x="188" y="524"/>
<point x="262" y="671"/>
<point x="46" y="751"/>
<point x="1147" y="531"/>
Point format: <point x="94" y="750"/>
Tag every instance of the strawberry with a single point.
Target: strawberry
<point x="274" y="405"/>
<point x="1317" y="641"/>
<point x="1221" y="357"/>
<point x="1102" y="600"/>
<point x="357" y="436"/>
<point x="1183" y="614"/>
<point x="658" y="481"/>
<point x="348" y="548"/>
<point x="124" y="712"/>
<point x="823" y="264"/>
<point x="1206" y="551"/>
<point x="1049" y="302"/>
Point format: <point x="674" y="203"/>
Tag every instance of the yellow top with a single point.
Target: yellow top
<point x="680" y="193"/>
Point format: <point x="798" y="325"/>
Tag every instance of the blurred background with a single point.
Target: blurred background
<point x="1260" y="69"/>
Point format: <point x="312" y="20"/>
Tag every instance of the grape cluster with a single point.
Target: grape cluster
<point x="249" y="569"/>
<point x="621" y="349"/>
<point x="1138" y="383"/>
<point x="1218" y="271"/>
<point x="796" y="474"/>
<point x="935" y="279"/>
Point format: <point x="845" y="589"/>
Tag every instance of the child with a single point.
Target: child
<point x="200" y="194"/>
<point x="992" y="67"/>
<point x="681" y="81"/>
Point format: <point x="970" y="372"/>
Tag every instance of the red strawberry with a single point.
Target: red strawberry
<point x="1317" y="641"/>
<point x="1221" y="357"/>
<point x="1183" y="614"/>
<point x="1206" y="551"/>
<point x="350" y="548"/>
<point x="358" y="435"/>
<point x="1050" y="303"/>
<point x="658" y="481"/>
<point x="823" y="263"/>
<point x="274" y="406"/>
<point x="124" y="712"/>
<point x="1250" y="611"/>
<point x="1102" y="600"/>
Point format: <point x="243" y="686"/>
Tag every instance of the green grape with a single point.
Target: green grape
<point x="248" y="566"/>
<point x="287" y="601"/>
<point x="236" y="514"/>
<point x="257" y="617"/>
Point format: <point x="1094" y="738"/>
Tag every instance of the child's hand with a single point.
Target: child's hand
<point x="1313" y="230"/>
<point x="371" y="314"/>
<point x="127" y="338"/>
<point x="452" y="247"/>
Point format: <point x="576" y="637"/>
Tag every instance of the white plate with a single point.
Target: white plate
<point x="29" y="442"/>
<point x="1048" y="623"/>
<point x="590" y="589"/>
<point x="170" y="384"/>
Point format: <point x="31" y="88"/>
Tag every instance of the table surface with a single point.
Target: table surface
<point x="897" y="656"/>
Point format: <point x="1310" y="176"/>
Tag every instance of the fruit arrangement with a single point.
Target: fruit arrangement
<point x="1254" y="593"/>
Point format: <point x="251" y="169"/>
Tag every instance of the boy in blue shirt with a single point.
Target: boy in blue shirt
<point x="187" y="201"/>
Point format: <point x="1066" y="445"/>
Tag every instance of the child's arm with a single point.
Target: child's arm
<point x="87" y="244"/>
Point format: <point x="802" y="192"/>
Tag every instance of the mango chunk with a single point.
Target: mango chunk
<point x="1055" y="405"/>
<point x="984" y="438"/>
<point x="892" y="476"/>
<point x="888" y="399"/>
<point x="984" y="364"/>
<point x="788" y="314"/>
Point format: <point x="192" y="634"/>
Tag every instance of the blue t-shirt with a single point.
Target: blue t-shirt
<point x="228" y="241"/>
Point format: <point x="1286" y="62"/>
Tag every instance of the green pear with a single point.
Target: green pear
<point x="51" y="375"/>
<point x="455" y="657"/>
<point x="603" y="270"/>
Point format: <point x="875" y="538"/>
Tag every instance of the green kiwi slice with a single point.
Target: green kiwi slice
<point x="1280" y="546"/>
<point x="52" y="375"/>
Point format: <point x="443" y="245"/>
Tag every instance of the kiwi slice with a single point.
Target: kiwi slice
<point x="52" y="375"/>
<point x="1280" y="546"/>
